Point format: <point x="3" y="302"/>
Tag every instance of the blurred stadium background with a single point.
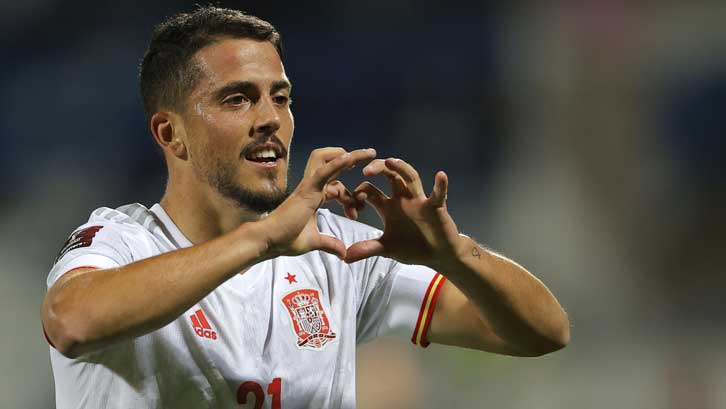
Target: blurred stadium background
<point x="583" y="139"/>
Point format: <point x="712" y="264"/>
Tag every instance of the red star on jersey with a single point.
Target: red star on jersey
<point x="291" y="278"/>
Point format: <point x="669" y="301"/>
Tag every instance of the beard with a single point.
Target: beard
<point x="223" y="176"/>
<point x="224" y="180"/>
<point x="258" y="202"/>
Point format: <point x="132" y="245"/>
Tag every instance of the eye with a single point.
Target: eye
<point x="282" y="100"/>
<point x="236" y="100"/>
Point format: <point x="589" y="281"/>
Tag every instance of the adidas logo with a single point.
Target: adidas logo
<point x="201" y="325"/>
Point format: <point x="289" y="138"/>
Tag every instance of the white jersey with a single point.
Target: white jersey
<point x="281" y="335"/>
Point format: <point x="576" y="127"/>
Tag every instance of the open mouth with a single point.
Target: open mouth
<point x="267" y="154"/>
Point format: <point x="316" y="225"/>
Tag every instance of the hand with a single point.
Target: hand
<point x="337" y="191"/>
<point x="291" y="229"/>
<point x="417" y="229"/>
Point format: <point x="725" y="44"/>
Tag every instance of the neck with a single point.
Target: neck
<point x="200" y="212"/>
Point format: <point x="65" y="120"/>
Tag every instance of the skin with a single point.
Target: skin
<point x="503" y="309"/>
<point x="210" y="135"/>
<point x="489" y="302"/>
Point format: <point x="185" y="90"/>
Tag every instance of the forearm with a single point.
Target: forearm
<point x="98" y="308"/>
<point x="513" y="303"/>
<point x="92" y="309"/>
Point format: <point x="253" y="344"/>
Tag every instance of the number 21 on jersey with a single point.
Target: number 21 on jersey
<point x="274" y="389"/>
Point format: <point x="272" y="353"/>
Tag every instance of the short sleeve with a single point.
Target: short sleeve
<point x="97" y="245"/>
<point x="393" y="298"/>
<point x="399" y="301"/>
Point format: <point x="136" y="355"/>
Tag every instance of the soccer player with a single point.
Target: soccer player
<point x="231" y="291"/>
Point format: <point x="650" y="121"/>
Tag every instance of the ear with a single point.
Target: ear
<point x="169" y="134"/>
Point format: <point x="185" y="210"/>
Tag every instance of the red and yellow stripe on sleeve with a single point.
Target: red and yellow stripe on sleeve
<point x="427" y="310"/>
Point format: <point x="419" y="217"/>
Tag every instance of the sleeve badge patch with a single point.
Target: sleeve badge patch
<point x="78" y="239"/>
<point x="309" y="320"/>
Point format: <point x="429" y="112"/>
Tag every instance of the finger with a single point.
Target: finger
<point x="440" y="190"/>
<point x="367" y="191"/>
<point x="378" y="167"/>
<point x="363" y="249"/>
<point x="336" y="190"/>
<point x="330" y="170"/>
<point x="328" y="153"/>
<point x="408" y="174"/>
<point x="331" y="245"/>
<point x="321" y="156"/>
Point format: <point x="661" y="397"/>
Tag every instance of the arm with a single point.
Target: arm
<point x="502" y="308"/>
<point x="489" y="302"/>
<point x="88" y="309"/>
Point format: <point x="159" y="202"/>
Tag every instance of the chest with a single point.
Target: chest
<point x="286" y="326"/>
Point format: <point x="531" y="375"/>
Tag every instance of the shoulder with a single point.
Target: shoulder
<point x="347" y="230"/>
<point x="112" y="227"/>
<point x="130" y="219"/>
<point x="130" y="216"/>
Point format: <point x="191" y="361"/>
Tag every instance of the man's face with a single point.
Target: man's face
<point x="239" y="124"/>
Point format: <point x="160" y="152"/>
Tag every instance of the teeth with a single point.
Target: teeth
<point x="267" y="153"/>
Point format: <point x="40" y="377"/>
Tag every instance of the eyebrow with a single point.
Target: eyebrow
<point x="249" y="88"/>
<point x="280" y="85"/>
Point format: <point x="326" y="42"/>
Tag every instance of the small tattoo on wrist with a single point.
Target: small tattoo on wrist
<point x="475" y="252"/>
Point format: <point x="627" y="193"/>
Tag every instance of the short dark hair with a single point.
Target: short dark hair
<point x="168" y="74"/>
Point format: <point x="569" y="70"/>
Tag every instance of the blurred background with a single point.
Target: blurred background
<point x="584" y="139"/>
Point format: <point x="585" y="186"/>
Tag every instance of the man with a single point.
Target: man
<point x="230" y="291"/>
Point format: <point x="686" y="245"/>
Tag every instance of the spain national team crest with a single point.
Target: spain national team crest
<point x="310" y="322"/>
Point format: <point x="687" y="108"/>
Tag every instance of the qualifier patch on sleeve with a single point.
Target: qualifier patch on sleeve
<point x="78" y="239"/>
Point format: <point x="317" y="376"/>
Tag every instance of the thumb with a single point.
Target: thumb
<point x="331" y="245"/>
<point x="363" y="249"/>
<point x="441" y="188"/>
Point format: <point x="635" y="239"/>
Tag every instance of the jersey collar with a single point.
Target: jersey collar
<point x="170" y="227"/>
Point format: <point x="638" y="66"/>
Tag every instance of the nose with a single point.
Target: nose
<point x="268" y="119"/>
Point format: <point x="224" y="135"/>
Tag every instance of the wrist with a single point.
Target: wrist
<point x="455" y="258"/>
<point x="256" y="239"/>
